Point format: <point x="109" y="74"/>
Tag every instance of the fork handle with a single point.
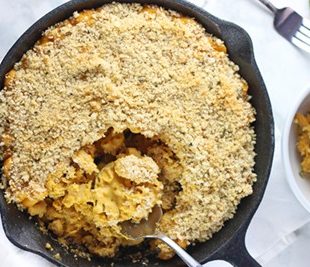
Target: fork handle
<point x="270" y="6"/>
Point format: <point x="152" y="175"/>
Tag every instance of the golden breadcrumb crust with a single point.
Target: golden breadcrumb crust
<point x="146" y="69"/>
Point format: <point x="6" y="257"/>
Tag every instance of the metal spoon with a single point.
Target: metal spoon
<point x="146" y="229"/>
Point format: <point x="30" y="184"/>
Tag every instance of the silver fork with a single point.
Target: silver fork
<point x="291" y="25"/>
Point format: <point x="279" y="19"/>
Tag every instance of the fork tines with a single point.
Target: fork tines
<point x="302" y="35"/>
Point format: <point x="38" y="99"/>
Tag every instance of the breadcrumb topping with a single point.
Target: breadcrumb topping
<point x="136" y="169"/>
<point x="149" y="70"/>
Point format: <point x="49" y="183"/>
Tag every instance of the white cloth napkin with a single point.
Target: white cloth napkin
<point x="286" y="72"/>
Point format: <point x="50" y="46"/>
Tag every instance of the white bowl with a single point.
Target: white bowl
<point x="291" y="158"/>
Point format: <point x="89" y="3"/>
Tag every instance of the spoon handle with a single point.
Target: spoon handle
<point x="188" y="259"/>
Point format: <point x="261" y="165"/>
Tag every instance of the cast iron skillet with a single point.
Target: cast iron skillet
<point x="228" y="244"/>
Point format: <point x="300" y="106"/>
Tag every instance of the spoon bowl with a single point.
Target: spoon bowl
<point x="146" y="228"/>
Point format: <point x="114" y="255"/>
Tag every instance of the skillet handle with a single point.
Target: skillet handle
<point x="240" y="257"/>
<point x="235" y="251"/>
